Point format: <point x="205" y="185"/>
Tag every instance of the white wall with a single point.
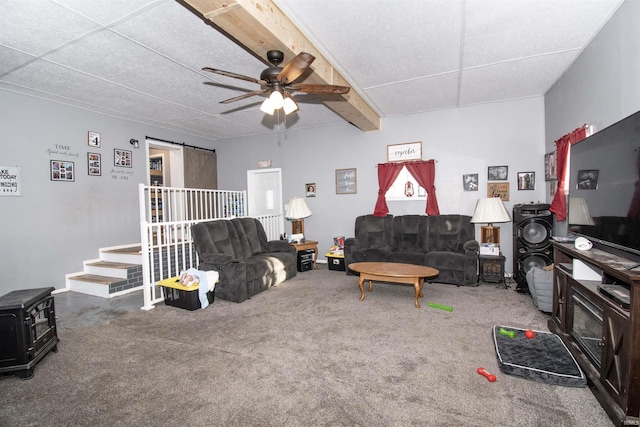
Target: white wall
<point x="462" y="141"/>
<point x="54" y="226"/>
<point x="602" y="86"/>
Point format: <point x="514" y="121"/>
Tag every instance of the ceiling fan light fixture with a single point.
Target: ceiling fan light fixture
<point x="267" y="107"/>
<point x="289" y="105"/>
<point x="276" y="99"/>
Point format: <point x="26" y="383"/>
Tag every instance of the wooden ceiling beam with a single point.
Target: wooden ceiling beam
<point x="260" y="26"/>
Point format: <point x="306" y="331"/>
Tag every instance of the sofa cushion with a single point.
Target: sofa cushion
<point x="410" y="233"/>
<point x="251" y="236"/>
<point x="449" y="233"/>
<point x="369" y="255"/>
<point x="417" y="258"/>
<point x="374" y="232"/>
<point x="214" y="238"/>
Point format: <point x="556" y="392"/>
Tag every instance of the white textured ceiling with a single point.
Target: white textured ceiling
<point x="142" y="59"/>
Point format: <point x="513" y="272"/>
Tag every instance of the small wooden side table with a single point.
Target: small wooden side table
<point x="491" y="269"/>
<point x="308" y="244"/>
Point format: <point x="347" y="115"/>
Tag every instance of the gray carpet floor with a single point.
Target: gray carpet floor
<point x="305" y="353"/>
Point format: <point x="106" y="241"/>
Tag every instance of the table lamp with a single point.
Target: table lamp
<point x="490" y="210"/>
<point x="297" y="210"/>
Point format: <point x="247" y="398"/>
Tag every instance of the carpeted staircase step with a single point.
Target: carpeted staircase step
<point x="129" y="254"/>
<point x="95" y="278"/>
<point x="95" y="284"/>
<point x="108" y="268"/>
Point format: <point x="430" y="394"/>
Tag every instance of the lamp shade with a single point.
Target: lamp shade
<point x="490" y="210"/>
<point x="579" y="212"/>
<point x="297" y="208"/>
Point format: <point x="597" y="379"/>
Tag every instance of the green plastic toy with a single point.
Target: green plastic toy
<point x="507" y="333"/>
<point x="441" y="307"/>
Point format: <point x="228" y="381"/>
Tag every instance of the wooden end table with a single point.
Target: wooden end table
<point x="308" y="244"/>
<point x="393" y="272"/>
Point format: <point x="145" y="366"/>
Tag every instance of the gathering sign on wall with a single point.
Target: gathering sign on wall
<point x="404" y="152"/>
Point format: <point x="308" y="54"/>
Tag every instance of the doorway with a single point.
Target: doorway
<point x="172" y="162"/>
<point x="264" y="192"/>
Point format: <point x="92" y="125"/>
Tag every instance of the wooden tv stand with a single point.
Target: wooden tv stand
<point x="610" y="354"/>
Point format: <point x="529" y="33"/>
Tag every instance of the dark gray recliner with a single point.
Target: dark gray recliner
<point x="239" y="251"/>
<point x="444" y="242"/>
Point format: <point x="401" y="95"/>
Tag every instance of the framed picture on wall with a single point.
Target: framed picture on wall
<point x="550" y="165"/>
<point x="526" y="180"/>
<point x="498" y="173"/>
<point x="94" y="164"/>
<point x="498" y="189"/>
<point x="122" y="158"/>
<point x="470" y="182"/>
<point x="62" y="170"/>
<point x="94" y="139"/>
<point x="310" y="189"/>
<point x="346" y="181"/>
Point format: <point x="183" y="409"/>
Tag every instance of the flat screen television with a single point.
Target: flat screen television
<point x="602" y="186"/>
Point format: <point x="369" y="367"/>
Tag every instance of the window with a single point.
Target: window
<point x="396" y="192"/>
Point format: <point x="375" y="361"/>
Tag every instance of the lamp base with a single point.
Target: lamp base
<point x="490" y="234"/>
<point x="297" y="226"/>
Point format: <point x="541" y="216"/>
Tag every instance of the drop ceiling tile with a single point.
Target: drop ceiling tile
<point x="498" y="30"/>
<point x="12" y="59"/>
<point x="36" y="27"/>
<point x="55" y="79"/>
<point x="113" y="58"/>
<point x="374" y="43"/>
<point x="107" y="12"/>
<point x="424" y="94"/>
<point x="180" y="35"/>
<point x="217" y="127"/>
<point x="512" y="80"/>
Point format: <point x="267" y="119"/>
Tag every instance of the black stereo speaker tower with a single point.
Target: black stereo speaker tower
<point x="532" y="226"/>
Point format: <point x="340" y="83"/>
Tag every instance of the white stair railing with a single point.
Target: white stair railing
<point x="166" y="217"/>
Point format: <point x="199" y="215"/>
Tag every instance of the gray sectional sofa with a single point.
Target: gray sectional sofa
<point x="445" y="242"/>
<point x="239" y="251"/>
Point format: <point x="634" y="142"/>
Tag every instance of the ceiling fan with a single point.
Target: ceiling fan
<point x="278" y="83"/>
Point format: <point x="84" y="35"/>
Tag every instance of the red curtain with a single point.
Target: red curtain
<point x="559" y="202"/>
<point x="425" y="173"/>
<point x="634" y="209"/>
<point x="387" y="173"/>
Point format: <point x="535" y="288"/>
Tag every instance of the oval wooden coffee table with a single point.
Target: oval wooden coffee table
<point x="393" y="272"/>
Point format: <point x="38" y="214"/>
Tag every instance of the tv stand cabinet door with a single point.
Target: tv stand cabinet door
<point x="614" y="373"/>
<point x="559" y="307"/>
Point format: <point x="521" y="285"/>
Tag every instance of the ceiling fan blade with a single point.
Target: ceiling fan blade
<point x="320" y="89"/>
<point x="296" y="67"/>
<point x="246" y="95"/>
<point x="234" y="75"/>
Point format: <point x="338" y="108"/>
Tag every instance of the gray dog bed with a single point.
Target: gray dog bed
<point x="544" y="358"/>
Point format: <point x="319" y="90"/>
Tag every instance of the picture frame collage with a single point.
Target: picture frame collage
<point x="61" y="170"/>
<point x="498" y="181"/>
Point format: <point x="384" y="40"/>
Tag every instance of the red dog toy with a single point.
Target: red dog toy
<point x="489" y="376"/>
<point x="529" y="334"/>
